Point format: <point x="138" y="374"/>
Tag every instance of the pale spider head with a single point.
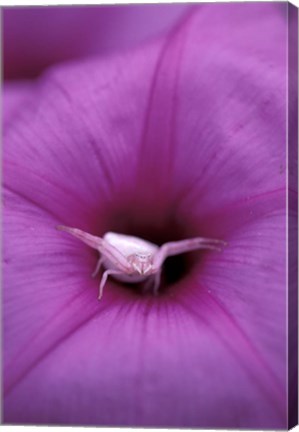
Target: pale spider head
<point x="142" y="262"/>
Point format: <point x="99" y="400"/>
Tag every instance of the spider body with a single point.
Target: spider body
<point x="138" y="252"/>
<point x="132" y="259"/>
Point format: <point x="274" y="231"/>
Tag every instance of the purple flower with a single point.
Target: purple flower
<point x="181" y="137"/>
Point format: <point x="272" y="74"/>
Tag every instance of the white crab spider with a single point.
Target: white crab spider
<point x="132" y="259"/>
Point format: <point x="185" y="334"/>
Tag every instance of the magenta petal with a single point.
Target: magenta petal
<point x="149" y="364"/>
<point x="215" y="122"/>
<point x="179" y="132"/>
<point x="167" y="133"/>
<point x="36" y="37"/>
<point x="15" y="98"/>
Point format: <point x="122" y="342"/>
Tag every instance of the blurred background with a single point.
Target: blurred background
<point x="36" y="37"/>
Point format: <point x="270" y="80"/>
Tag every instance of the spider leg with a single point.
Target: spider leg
<point x="182" y="246"/>
<point x="115" y="257"/>
<point x="147" y="284"/>
<point x="104" y="280"/>
<point x="157" y="281"/>
<point x="89" y="239"/>
<point x="152" y="283"/>
<point x="102" y="246"/>
<point x="98" y="266"/>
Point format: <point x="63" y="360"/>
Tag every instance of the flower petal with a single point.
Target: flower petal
<point x="247" y="153"/>
<point x="15" y="95"/>
<point x="215" y="122"/>
<point x="153" y="364"/>
<point x="36" y="37"/>
<point x="153" y="135"/>
<point x="246" y="282"/>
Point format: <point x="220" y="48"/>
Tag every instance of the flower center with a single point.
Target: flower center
<point x="158" y="231"/>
